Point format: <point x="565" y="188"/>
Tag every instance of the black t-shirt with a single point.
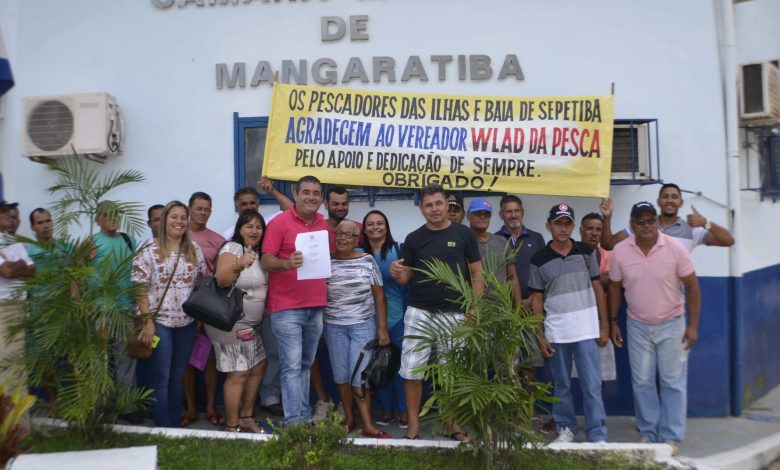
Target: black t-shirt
<point x="456" y="246"/>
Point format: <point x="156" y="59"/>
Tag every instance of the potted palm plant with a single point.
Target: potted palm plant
<point x="479" y="384"/>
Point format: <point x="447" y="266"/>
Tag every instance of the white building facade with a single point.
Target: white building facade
<point x="193" y="79"/>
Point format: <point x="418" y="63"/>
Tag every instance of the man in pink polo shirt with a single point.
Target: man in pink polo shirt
<point x="296" y="306"/>
<point x="651" y="266"/>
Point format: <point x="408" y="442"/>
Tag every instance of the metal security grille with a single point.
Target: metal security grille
<point x="770" y="165"/>
<point x="625" y="150"/>
<point x="752" y="88"/>
<point x="635" y="158"/>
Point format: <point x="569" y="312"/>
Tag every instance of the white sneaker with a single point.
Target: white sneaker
<point x="565" y="435"/>
<point x="320" y="412"/>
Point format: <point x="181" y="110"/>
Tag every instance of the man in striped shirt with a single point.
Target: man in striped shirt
<point x="566" y="286"/>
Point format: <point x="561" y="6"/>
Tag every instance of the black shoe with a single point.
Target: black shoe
<point x="275" y="409"/>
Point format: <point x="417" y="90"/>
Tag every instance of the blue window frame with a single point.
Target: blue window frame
<point x="249" y="135"/>
<point x="249" y="147"/>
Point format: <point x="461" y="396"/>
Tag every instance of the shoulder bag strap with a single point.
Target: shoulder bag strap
<point x="126" y="238"/>
<point x="362" y="375"/>
<point x="170" y="279"/>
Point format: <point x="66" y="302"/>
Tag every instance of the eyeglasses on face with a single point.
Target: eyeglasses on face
<point x="346" y="235"/>
<point x="646" y="221"/>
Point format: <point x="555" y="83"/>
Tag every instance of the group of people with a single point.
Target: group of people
<point x="375" y="292"/>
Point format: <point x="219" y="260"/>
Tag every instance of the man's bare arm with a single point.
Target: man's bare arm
<point x="614" y="295"/>
<point x="601" y="305"/>
<point x="273" y="263"/>
<point x="511" y="275"/>
<point x="693" y="303"/>
<point x="268" y="187"/>
<point x="477" y="282"/>
<point x="401" y="273"/>
<point x="609" y="239"/>
<point x="15" y="269"/>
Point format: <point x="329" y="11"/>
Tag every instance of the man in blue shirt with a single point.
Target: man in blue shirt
<point x="115" y="246"/>
<point x="521" y="238"/>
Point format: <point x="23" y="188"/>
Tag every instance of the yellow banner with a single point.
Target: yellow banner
<point x="529" y="145"/>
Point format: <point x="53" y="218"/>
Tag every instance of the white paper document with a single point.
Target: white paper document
<point x="316" y="255"/>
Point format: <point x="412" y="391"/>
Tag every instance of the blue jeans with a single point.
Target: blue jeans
<point x="658" y="351"/>
<point x="270" y="388"/>
<point x="393" y="397"/>
<point x="586" y="354"/>
<point x="297" y="333"/>
<point x="167" y="364"/>
<point x="345" y="343"/>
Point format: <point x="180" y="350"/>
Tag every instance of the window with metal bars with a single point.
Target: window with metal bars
<point x="769" y="151"/>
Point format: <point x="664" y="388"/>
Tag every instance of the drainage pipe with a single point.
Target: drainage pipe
<point x="730" y="77"/>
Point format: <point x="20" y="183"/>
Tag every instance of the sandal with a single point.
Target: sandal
<point x="412" y="438"/>
<point x="216" y="419"/>
<point x="186" y="420"/>
<point x="347" y="427"/>
<point x="236" y="428"/>
<point x="459" y="436"/>
<point x="248" y="429"/>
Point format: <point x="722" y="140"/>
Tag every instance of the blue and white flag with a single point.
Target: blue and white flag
<point x="6" y="79"/>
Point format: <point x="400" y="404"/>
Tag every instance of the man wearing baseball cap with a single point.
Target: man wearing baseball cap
<point x="455" y="208"/>
<point x="567" y="290"/>
<point x="692" y="231"/>
<point x="493" y="248"/>
<point x="650" y="265"/>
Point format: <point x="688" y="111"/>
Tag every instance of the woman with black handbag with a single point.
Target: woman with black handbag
<point x="355" y="296"/>
<point x="168" y="268"/>
<point x="240" y="352"/>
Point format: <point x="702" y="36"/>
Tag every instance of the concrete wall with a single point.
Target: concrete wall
<point x="758" y="40"/>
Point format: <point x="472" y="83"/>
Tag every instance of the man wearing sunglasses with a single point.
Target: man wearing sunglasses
<point x="650" y="266"/>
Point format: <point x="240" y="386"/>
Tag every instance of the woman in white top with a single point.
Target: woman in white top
<point x="172" y="256"/>
<point x="355" y="297"/>
<point x="240" y="352"/>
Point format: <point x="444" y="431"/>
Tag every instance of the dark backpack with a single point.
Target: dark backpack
<point x="383" y="365"/>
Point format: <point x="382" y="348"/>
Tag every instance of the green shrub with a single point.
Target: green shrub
<point x="306" y="446"/>
<point x="74" y="315"/>
<point x="479" y="384"/>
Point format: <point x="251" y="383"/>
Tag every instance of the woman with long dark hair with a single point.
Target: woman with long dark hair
<point x="378" y="240"/>
<point x="240" y="352"/>
<point x="168" y="267"/>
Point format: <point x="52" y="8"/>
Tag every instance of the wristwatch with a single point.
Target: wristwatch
<point x="707" y="224"/>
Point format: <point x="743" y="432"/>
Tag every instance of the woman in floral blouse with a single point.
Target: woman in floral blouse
<point x="171" y="257"/>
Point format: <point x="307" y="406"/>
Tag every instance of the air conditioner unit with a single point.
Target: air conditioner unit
<point x="90" y="123"/>
<point x="630" y="152"/>
<point x="760" y="92"/>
